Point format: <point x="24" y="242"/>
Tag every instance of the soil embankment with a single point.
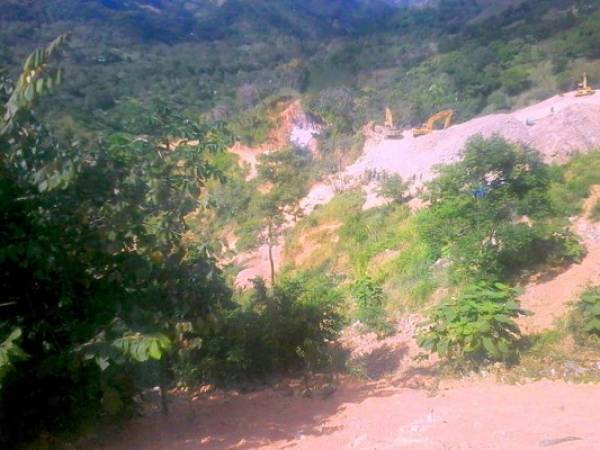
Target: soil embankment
<point x="557" y="127"/>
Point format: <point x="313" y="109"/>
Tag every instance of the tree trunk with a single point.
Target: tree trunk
<point x="270" y="244"/>
<point x="163" y="385"/>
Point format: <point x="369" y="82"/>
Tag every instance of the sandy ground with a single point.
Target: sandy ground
<point x="550" y="298"/>
<point x="401" y="406"/>
<point x="558" y="127"/>
<point x="478" y="415"/>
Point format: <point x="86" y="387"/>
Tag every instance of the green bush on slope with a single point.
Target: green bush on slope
<point x="491" y="214"/>
<point x="475" y="327"/>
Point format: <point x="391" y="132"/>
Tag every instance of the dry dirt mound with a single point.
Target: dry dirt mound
<point x="567" y="132"/>
<point x="557" y="128"/>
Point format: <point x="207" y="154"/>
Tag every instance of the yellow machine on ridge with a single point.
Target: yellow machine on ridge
<point x="428" y="126"/>
<point x="388" y="130"/>
<point x="583" y="88"/>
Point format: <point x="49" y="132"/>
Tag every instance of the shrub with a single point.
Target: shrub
<point x="491" y="214"/>
<point x="370" y="302"/>
<point x="585" y="319"/>
<point x="284" y="328"/>
<point x="476" y="327"/>
<point x="515" y="80"/>
<point x="395" y="188"/>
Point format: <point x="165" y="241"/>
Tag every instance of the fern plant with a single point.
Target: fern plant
<point x="475" y="327"/>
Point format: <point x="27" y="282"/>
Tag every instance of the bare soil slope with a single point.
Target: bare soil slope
<point x="559" y="127"/>
<point x="402" y="406"/>
<point x="474" y="416"/>
<point x="550" y="298"/>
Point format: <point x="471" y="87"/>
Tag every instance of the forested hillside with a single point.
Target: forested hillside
<point x="223" y="60"/>
<point x="126" y="207"/>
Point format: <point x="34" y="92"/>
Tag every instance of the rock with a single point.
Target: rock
<point x="551" y="442"/>
<point x="207" y="388"/>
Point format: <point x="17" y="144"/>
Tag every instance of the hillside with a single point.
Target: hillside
<point x="219" y="230"/>
<point x="561" y="127"/>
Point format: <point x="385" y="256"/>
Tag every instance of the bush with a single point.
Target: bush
<point x="285" y="328"/>
<point x="394" y="188"/>
<point x="476" y="327"/>
<point x="492" y="215"/>
<point x="585" y="319"/>
<point x="370" y="302"/>
<point x="515" y="80"/>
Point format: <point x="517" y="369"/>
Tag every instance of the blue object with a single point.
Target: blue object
<point x="480" y="192"/>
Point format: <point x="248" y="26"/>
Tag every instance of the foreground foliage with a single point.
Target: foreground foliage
<point x="96" y="275"/>
<point x="475" y="327"/>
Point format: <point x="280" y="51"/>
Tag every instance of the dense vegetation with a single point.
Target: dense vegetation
<point x="105" y="290"/>
<point x="347" y="59"/>
<point x="115" y="190"/>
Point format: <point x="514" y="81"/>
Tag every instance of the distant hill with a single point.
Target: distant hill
<point x="223" y="58"/>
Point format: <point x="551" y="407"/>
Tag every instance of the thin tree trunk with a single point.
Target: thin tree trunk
<point x="163" y="385"/>
<point x="270" y="245"/>
<point x="272" y="264"/>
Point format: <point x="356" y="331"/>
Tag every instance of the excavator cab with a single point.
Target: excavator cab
<point x="429" y="126"/>
<point x="583" y="88"/>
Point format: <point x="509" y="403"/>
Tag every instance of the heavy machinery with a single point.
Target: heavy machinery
<point x="389" y="119"/>
<point x="428" y="126"/>
<point x="388" y="130"/>
<point x="583" y="88"/>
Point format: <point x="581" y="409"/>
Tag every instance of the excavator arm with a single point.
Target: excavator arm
<point x="584" y="88"/>
<point x="428" y="126"/>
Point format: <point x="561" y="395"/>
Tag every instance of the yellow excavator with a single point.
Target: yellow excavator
<point x="428" y="126"/>
<point x="388" y="130"/>
<point x="389" y="119"/>
<point x="583" y="88"/>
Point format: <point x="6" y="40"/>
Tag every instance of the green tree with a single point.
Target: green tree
<point x="491" y="214"/>
<point x="285" y="174"/>
<point x="95" y="268"/>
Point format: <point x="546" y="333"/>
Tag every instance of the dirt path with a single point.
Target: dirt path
<point x="402" y="405"/>
<point x="475" y="415"/>
<point x="550" y="299"/>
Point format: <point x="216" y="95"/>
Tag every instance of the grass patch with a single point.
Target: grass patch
<point x="573" y="182"/>
<point x="595" y="212"/>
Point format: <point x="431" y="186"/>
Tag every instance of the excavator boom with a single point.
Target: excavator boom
<point x="428" y="126"/>
<point x="583" y="87"/>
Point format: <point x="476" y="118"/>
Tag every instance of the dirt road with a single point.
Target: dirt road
<point x="477" y="415"/>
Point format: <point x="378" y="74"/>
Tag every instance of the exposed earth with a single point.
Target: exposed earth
<point x="557" y="127"/>
<point x="401" y="403"/>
